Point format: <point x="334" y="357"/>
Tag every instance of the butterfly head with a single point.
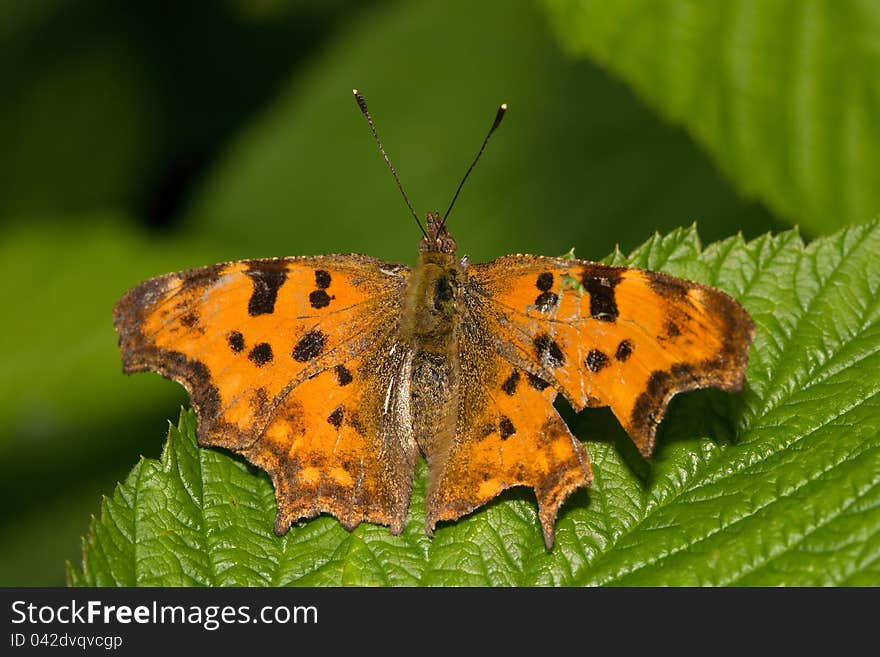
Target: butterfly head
<point x="437" y="238"/>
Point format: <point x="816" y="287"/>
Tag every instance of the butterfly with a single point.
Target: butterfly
<point x="335" y="373"/>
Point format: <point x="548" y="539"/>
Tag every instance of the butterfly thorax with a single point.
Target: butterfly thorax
<point x="429" y="314"/>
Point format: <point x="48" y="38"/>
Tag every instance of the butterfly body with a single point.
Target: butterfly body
<point x="431" y="325"/>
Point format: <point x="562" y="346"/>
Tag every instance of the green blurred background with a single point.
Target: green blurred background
<point x="146" y="136"/>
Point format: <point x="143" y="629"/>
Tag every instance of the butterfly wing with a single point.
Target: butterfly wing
<point x="602" y="336"/>
<point x="284" y="360"/>
<point x="507" y="433"/>
<point x="614" y="336"/>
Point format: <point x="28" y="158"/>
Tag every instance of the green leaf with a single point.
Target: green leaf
<point x="578" y="160"/>
<point x="777" y="486"/>
<point x="783" y="95"/>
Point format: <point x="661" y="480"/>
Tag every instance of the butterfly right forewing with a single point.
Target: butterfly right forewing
<point x="614" y="336"/>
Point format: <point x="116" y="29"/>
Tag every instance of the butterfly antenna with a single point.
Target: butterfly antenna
<point x="363" y="105"/>
<point x="498" y="116"/>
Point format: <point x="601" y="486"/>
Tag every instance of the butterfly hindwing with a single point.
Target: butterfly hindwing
<point x="342" y="447"/>
<point x="273" y="353"/>
<point x="500" y="431"/>
<point x="510" y="435"/>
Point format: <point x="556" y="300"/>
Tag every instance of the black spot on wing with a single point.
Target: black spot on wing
<point x="545" y="281"/>
<point x="603" y="304"/>
<point x="537" y="382"/>
<point x="267" y="278"/>
<point x="546" y="301"/>
<point x="319" y="299"/>
<point x="322" y="279"/>
<point x="506" y="428"/>
<point x="596" y="360"/>
<point x="343" y="376"/>
<point x="190" y="319"/>
<point x="236" y="341"/>
<point x="261" y="354"/>
<point x="548" y="352"/>
<point x="624" y="350"/>
<point x="335" y="418"/>
<point x="510" y="384"/>
<point x="309" y="346"/>
<point x="672" y="330"/>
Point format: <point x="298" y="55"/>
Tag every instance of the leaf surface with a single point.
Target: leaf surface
<point x="777" y="486"/>
<point x="783" y="95"/>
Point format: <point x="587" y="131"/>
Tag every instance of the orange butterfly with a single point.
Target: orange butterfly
<point x="333" y="373"/>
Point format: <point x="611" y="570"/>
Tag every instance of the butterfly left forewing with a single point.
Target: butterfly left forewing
<point x="269" y="350"/>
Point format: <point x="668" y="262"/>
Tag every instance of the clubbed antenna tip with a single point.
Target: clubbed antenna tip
<point x="498" y="116"/>
<point x="363" y="106"/>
